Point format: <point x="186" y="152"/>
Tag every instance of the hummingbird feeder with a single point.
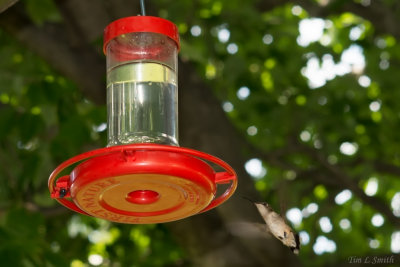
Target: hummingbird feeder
<point x="142" y="176"/>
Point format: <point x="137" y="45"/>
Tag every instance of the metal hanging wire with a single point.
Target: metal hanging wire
<point x="142" y="8"/>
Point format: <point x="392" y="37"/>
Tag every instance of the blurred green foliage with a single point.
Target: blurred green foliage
<point x="44" y="119"/>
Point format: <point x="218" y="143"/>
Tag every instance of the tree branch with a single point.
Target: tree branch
<point x="76" y="19"/>
<point x="339" y="178"/>
<point x="344" y="181"/>
<point x="80" y="62"/>
<point x="386" y="168"/>
<point x="382" y="16"/>
<point x="217" y="136"/>
<point x="378" y="12"/>
<point x="5" y="4"/>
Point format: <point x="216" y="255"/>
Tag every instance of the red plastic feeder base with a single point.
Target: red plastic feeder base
<point x="142" y="183"/>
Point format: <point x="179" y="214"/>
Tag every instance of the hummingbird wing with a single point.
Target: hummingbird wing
<point x="249" y="230"/>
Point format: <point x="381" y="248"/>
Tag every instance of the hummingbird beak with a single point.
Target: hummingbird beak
<point x="249" y="199"/>
<point x="256" y="202"/>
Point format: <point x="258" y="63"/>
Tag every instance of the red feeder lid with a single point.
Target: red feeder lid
<point x="142" y="183"/>
<point x="140" y="24"/>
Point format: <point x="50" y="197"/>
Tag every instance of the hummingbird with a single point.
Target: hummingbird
<point x="277" y="226"/>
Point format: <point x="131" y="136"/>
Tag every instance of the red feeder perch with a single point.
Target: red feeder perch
<point x="143" y="176"/>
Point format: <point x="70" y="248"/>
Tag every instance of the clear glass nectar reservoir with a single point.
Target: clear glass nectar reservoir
<point x="142" y="93"/>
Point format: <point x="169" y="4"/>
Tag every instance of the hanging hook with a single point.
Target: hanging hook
<point x="142" y="7"/>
